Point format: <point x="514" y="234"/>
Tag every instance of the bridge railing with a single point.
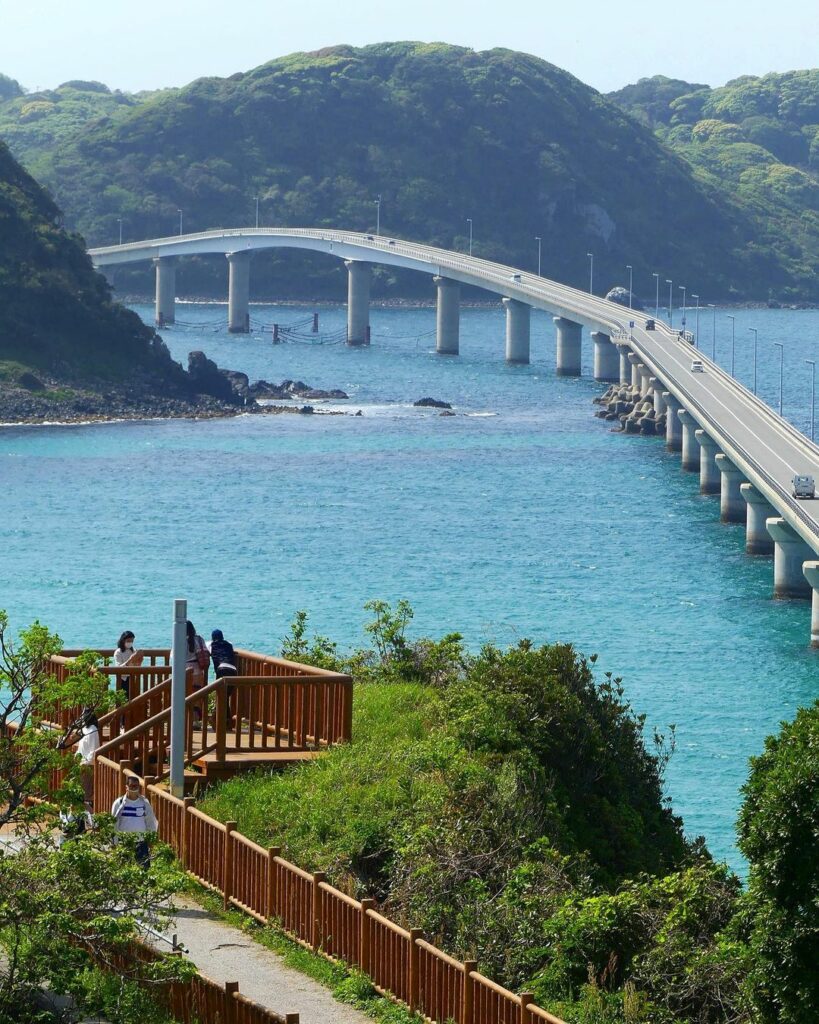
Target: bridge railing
<point x="402" y="964"/>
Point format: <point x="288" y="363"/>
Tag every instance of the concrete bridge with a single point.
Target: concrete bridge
<point x="740" y="447"/>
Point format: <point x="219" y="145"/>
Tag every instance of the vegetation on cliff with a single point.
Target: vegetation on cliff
<point x="511" y="805"/>
<point x="441" y="133"/>
<point x="755" y="140"/>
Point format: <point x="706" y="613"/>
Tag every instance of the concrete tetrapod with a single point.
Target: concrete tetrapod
<point x="757" y="539"/>
<point x="790" y="553"/>
<point x="709" y="471"/>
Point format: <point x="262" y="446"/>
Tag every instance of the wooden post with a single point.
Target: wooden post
<point x="272" y="853"/>
<point x="231" y="988"/>
<point x="414" y="958"/>
<point x="318" y="878"/>
<point x="227" y="875"/>
<point x="347" y="724"/>
<point x="291" y="1018"/>
<point x="525" y="999"/>
<point x="469" y="992"/>
<point x="364" y="944"/>
<point x="185" y="838"/>
<point x="221" y="723"/>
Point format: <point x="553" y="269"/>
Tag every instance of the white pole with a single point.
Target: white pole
<point x="179" y="662"/>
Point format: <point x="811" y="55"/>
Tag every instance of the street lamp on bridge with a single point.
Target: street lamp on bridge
<point x="538" y="240"/>
<point x="755" y="333"/>
<point x="630" y="282"/>
<point x="682" y="289"/>
<point x="670" y="302"/>
<point x="119" y="221"/>
<point x="378" y="215"/>
<point x="591" y="272"/>
<point x="469" y="222"/>
<point x="180" y="221"/>
<point x="256" y="201"/>
<point x="713" y="332"/>
<point x="733" y="320"/>
<point x="696" y="321"/>
<point x="812" y="364"/>
<point x="657" y="297"/>
<point x="781" y="347"/>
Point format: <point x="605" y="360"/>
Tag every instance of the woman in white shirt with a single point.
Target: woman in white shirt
<point x="124" y="654"/>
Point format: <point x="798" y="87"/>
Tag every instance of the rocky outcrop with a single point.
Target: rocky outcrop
<point x="620" y="295"/>
<point x="293" y="389"/>
<point x="207" y="379"/>
<point x="431" y="403"/>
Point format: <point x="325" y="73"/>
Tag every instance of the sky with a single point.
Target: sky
<point x="154" y="43"/>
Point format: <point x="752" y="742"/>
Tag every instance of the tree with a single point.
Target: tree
<point x="778" y="826"/>
<point x="33" y="703"/>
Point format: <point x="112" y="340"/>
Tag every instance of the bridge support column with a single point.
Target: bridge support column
<point x="165" y="304"/>
<point x="690" y="448"/>
<point x="625" y="365"/>
<point x="811" y="571"/>
<point x="635" y="370"/>
<point x="710" y="482"/>
<point x="731" y="502"/>
<point x="790" y="551"/>
<point x="358" y="302"/>
<point x="606" y="360"/>
<point x="447" y="315"/>
<point x="673" y="426"/>
<point x="238" y="292"/>
<point x="518" y="316"/>
<point x="757" y="539"/>
<point x="568" y="347"/>
<point x="657" y="395"/>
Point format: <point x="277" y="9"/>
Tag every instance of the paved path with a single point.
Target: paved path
<point x="225" y="953"/>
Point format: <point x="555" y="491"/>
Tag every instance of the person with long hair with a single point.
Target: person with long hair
<point x="196" y="662"/>
<point x="124" y="654"/>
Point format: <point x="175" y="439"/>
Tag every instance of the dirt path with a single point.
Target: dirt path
<point x="224" y="953"/>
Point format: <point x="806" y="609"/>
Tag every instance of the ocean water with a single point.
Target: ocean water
<point x="522" y="515"/>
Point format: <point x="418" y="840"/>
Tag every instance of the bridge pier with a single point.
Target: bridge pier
<point x="757" y="539"/>
<point x="710" y="482"/>
<point x="518" y="316"/>
<point x="606" y="361"/>
<point x="447" y="315"/>
<point x="673" y="426"/>
<point x="657" y="394"/>
<point x="690" y="448"/>
<point x="165" y="301"/>
<point x="731" y="502"/>
<point x="635" y="370"/>
<point x="790" y="551"/>
<point x="645" y="381"/>
<point x="625" y="365"/>
<point x="568" y="347"/>
<point x="358" y="302"/>
<point x="811" y="571"/>
<point x="238" y="292"/>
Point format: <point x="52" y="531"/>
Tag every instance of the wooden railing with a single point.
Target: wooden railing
<point x="259" y="881"/>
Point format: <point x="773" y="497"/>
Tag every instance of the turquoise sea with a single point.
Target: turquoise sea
<point x="520" y="516"/>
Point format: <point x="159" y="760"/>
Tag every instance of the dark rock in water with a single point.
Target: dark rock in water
<point x="446" y="412"/>
<point x="317" y="393"/>
<point x="238" y="381"/>
<point x="359" y="413"/>
<point x="620" y="295"/>
<point x="307" y="410"/>
<point x="207" y="379"/>
<point x="264" y="389"/>
<point x="28" y="381"/>
<point x="773" y="304"/>
<point x="431" y="403"/>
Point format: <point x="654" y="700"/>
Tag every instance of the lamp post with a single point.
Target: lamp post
<point x="733" y="320"/>
<point x="180" y="221"/>
<point x="812" y="364"/>
<point x="469" y="222"/>
<point x="670" y="301"/>
<point x="538" y="240"/>
<point x="781" y="347"/>
<point x="755" y="333"/>
<point x="630" y="281"/>
<point x="713" y="332"/>
<point x="378" y="215"/>
<point x="682" y="289"/>
<point x="657" y="298"/>
<point x="696" y="321"/>
<point x="256" y="200"/>
<point x="591" y="272"/>
<point x="119" y="221"/>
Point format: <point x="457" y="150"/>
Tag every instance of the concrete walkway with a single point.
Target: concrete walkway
<point x="225" y="953"/>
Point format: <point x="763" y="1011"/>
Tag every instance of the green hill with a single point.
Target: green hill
<point x="442" y="133"/>
<point x="756" y="140"/>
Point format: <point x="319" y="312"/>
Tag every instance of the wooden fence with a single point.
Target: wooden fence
<point x="400" y="962"/>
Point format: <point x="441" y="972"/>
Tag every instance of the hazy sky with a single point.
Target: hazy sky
<point x="153" y="43"/>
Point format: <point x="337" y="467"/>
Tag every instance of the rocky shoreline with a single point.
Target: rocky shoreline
<point x="622" y="404"/>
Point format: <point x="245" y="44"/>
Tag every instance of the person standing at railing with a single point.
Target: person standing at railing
<point x="223" y="657"/>
<point x="134" y="815"/>
<point x="196" y="665"/>
<point x="124" y="654"/>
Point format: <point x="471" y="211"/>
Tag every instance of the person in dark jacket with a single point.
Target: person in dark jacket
<point x="224" y="662"/>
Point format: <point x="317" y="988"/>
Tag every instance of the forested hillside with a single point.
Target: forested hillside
<point x="754" y="138"/>
<point x="442" y="133"/>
